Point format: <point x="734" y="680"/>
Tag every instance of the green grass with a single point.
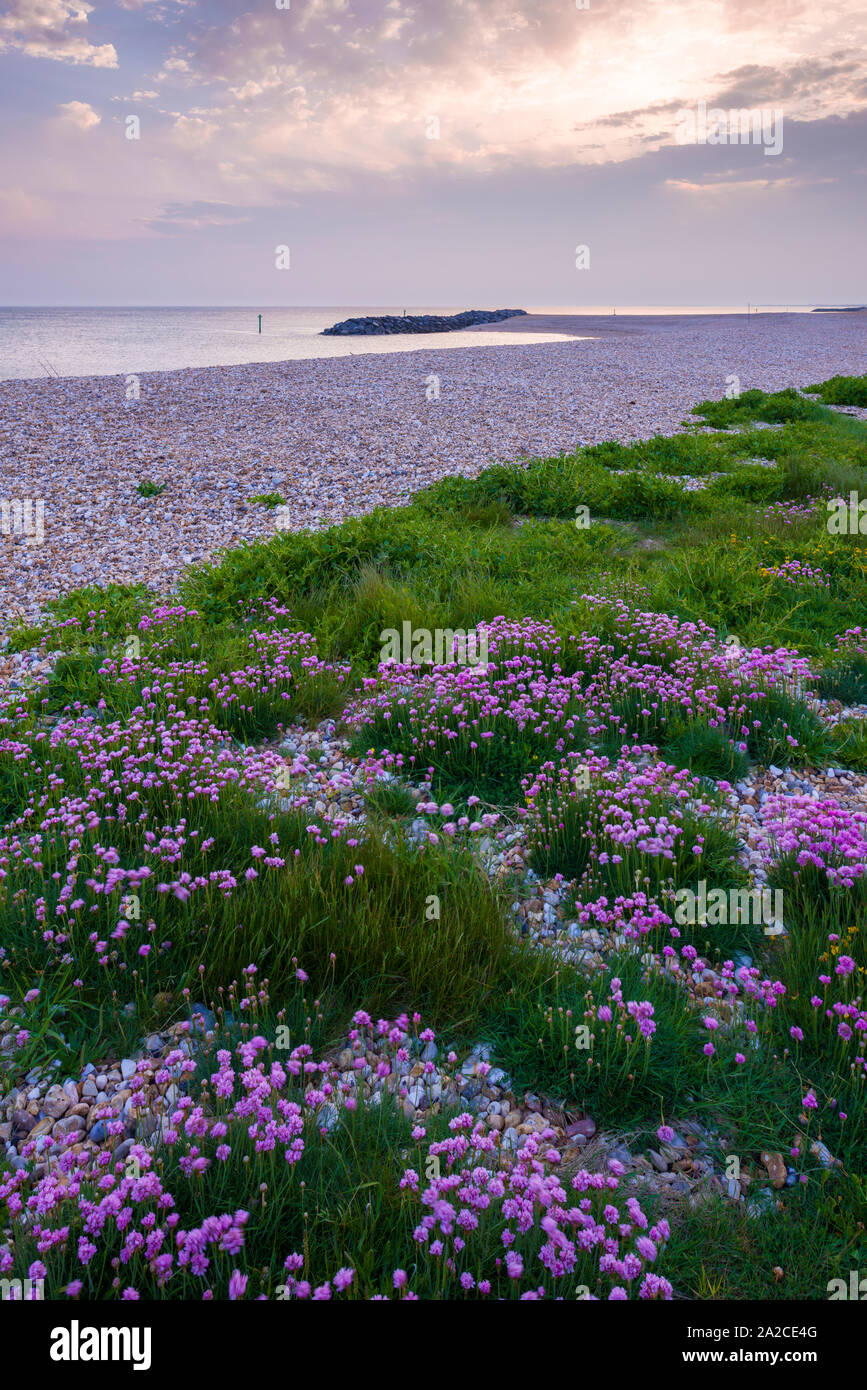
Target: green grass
<point x="776" y="408"/>
<point x="463" y="551"/>
<point x="705" y="750"/>
<point x="532" y="1030"/>
<point x="784" y="718"/>
<point x="389" y="952"/>
<point x="390" y="799"/>
<point x="722" y="1253"/>
<point x="271" y="500"/>
<point x="454" y="556"/>
<point x="84" y="616"/>
<point x="849" y="743"/>
<point x="841" y="390"/>
<point x="846" y="682"/>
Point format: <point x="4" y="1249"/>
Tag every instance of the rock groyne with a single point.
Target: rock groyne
<point x="419" y="323"/>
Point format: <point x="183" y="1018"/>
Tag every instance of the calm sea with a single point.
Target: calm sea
<point x="107" y="342"/>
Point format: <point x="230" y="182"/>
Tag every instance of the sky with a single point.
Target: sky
<point x="469" y="153"/>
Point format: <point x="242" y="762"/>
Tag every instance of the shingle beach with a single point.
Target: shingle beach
<point x="342" y="435"/>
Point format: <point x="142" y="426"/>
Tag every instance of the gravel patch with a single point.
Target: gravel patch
<point x="337" y="437"/>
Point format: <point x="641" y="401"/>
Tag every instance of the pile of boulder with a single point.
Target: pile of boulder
<point x="420" y="323"/>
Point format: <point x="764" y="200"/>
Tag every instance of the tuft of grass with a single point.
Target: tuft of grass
<point x="787" y="731"/>
<point x="389" y="949"/>
<point x="721" y="1253"/>
<point x="271" y="500"/>
<point x="391" y="799"/>
<point x="570" y="824"/>
<point x="705" y="750"/>
<point x="532" y="1029"/>
<point x="84" y="617"/>
<point x="776" y="407"/>
<point x="841" y="390"/>
<point x="849" y="743"/>
<point x="846" y="681"/>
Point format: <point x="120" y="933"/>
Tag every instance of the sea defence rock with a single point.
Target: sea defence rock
<point x="420" y="323"/>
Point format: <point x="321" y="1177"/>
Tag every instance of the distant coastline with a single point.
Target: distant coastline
<point x="75" y="341"/>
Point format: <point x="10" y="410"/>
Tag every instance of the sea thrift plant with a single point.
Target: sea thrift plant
<point x="275" y="672"/>
<point x="487" y="1225"/>
<point x="798" y="573"/>
<point x="817" y="839"/>
<point x="146" y="854"/>
<point x="540" y="696"/>
<point x="618" y="827"/>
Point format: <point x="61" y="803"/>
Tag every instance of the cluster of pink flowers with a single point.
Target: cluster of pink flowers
<point x="451" y="709"/>
<point x="798" y="572"/>
<point x="281" y="662"/>
<point x="112" y="814"/>
<point x="800" y="509"/>
<point x="743" y="1004"/>
<point x="632" y="813"/>
<point x="652" y="671"/>
<point x="852" y="642"/>
<point x="485" y="1224"/>
<point x="95" y="840"/>
<point x="542" y="1228"/>
<point x="823" y="833"/>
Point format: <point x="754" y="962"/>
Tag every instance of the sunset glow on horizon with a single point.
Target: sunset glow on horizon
<point x="431" y="153"/>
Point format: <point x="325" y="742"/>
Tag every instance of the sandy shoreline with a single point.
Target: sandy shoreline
<point x="338" y="436"/>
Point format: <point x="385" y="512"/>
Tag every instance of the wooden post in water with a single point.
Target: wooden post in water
<point x="260" y="323"/>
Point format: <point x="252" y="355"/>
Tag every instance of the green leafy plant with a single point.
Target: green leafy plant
<point x="271" y="500"/>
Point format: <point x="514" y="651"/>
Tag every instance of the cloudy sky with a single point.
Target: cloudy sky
<point x="430" y="152"/>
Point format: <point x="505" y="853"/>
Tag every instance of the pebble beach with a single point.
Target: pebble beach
<point x="93" y="1129"/>
<point x="340" y="436"/>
